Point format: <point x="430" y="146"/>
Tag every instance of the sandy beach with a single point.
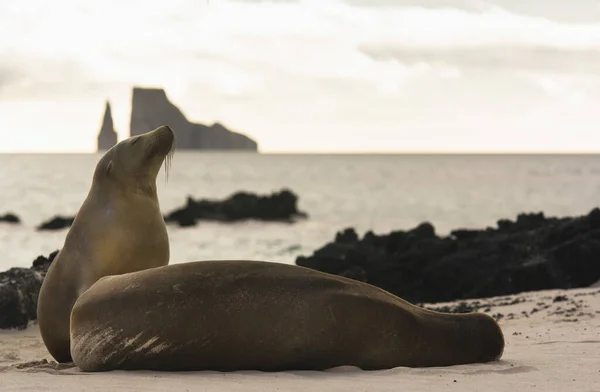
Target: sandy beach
<point x="552" y="340"/>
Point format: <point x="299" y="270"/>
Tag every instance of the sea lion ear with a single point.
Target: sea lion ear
<point x="109" y="168"/>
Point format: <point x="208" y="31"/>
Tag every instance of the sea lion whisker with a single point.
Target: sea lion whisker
<point x="169" y="159"/>
<point x="169" y="163"/>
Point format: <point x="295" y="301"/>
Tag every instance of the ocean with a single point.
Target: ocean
<point x="366" y="192"/>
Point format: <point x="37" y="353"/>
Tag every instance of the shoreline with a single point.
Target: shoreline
<point x="545" y="350"/>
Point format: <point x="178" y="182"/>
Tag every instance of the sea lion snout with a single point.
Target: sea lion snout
<point x="162" y="140"/>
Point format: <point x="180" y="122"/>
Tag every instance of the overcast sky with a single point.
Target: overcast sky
<point x="313" y="75"/>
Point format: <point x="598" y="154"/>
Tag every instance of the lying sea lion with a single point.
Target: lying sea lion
<point x="252" y="315"/>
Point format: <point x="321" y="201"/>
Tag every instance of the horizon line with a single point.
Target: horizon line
<point x="344" y="152"/>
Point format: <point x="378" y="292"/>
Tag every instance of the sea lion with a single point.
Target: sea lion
<point x="118" y="229"/>
<point x="266" y="316"/>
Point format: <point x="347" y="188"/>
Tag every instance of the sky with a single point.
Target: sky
<point x="309" y="75"/>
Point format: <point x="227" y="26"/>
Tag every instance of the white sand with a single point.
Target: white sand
<point x="545" y="351"/>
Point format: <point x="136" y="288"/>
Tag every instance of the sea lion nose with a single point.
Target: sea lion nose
<point x="165" y="129"/>
<point x="164" y="139"/>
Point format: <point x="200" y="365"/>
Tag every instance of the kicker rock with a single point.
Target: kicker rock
<point x="150" y="108"/>
<point x="107" y="136"/>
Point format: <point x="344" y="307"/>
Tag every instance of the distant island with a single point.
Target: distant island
<point x="151" y="108"/>
<point x="107" y="136"/>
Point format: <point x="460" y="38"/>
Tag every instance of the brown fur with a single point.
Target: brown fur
<point x="118" y="229"/>
<point x="236" y="315"/>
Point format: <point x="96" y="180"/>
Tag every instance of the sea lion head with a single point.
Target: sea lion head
<point x="490" y="339"/>
<point x="133" y="164"/>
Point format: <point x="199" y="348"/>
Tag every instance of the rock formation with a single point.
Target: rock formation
<point x="19" y="290"/>
<point x="10" y="218"/>
<point x="532" y="253"/>
<point x="150" y="108"/>
<point x="56" y="223"/>
<point x="107" y="136"/>
<point x="278" y="206"/>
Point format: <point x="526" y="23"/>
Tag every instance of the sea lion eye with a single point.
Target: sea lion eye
<point x="135" y="141"/>
<point x="109" y="167"/>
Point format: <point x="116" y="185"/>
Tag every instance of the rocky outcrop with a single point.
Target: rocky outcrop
<point x="107" y="136"/>
<point x="278" y="206"/>
<point x="10" y="218"/>
<point x="19" y="290"/>
<point x="150" y="108"/>
<point x="56" y="223"/>
<point x="532" y="253"/>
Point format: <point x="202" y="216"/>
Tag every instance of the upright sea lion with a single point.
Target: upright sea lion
<point x="237" y="315"/>
<point x="118" y="229"/>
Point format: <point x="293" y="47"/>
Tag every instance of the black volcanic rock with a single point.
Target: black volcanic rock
<point x="278" y="206"/>
<point x="533" y="252"/>
<point x="42" y="263"/>
<point x="56" y="223"/>
<point x="10" y="218"/>
<point x="19" y="290"/>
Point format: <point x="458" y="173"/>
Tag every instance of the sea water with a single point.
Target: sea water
<point x="366" y="192"/>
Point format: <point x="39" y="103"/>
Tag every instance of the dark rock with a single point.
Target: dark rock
<point x="56" y="223"/>
<point x="279" y="206"/>
<point x="107" y="136"/>
<point x="356" y="273"/>
<point x="530" y="221"/>
<point x="41" y="263"/>
<point x="464" y="234"/>
<point x="560" y="298"/>
<point x="10" y="218"/>
<point x="347" y="236"/>
<point x="151" y="108"/>
<point x="19" y="289"/>
<point x="534" y="252"/>
<point x="594" y="218"/>
<point x="18" y="297"/>
<point x="423" y="231"/>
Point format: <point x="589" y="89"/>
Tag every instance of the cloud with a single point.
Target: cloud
<point x="8" y="75"/>
<point x="495" y="58"/>
<point x="265" y="1"/>
<point x="251" y="44"/>
<point x="304" y="74"/>
<point x="579" y="11"/>
<point x="25" y="77"/>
